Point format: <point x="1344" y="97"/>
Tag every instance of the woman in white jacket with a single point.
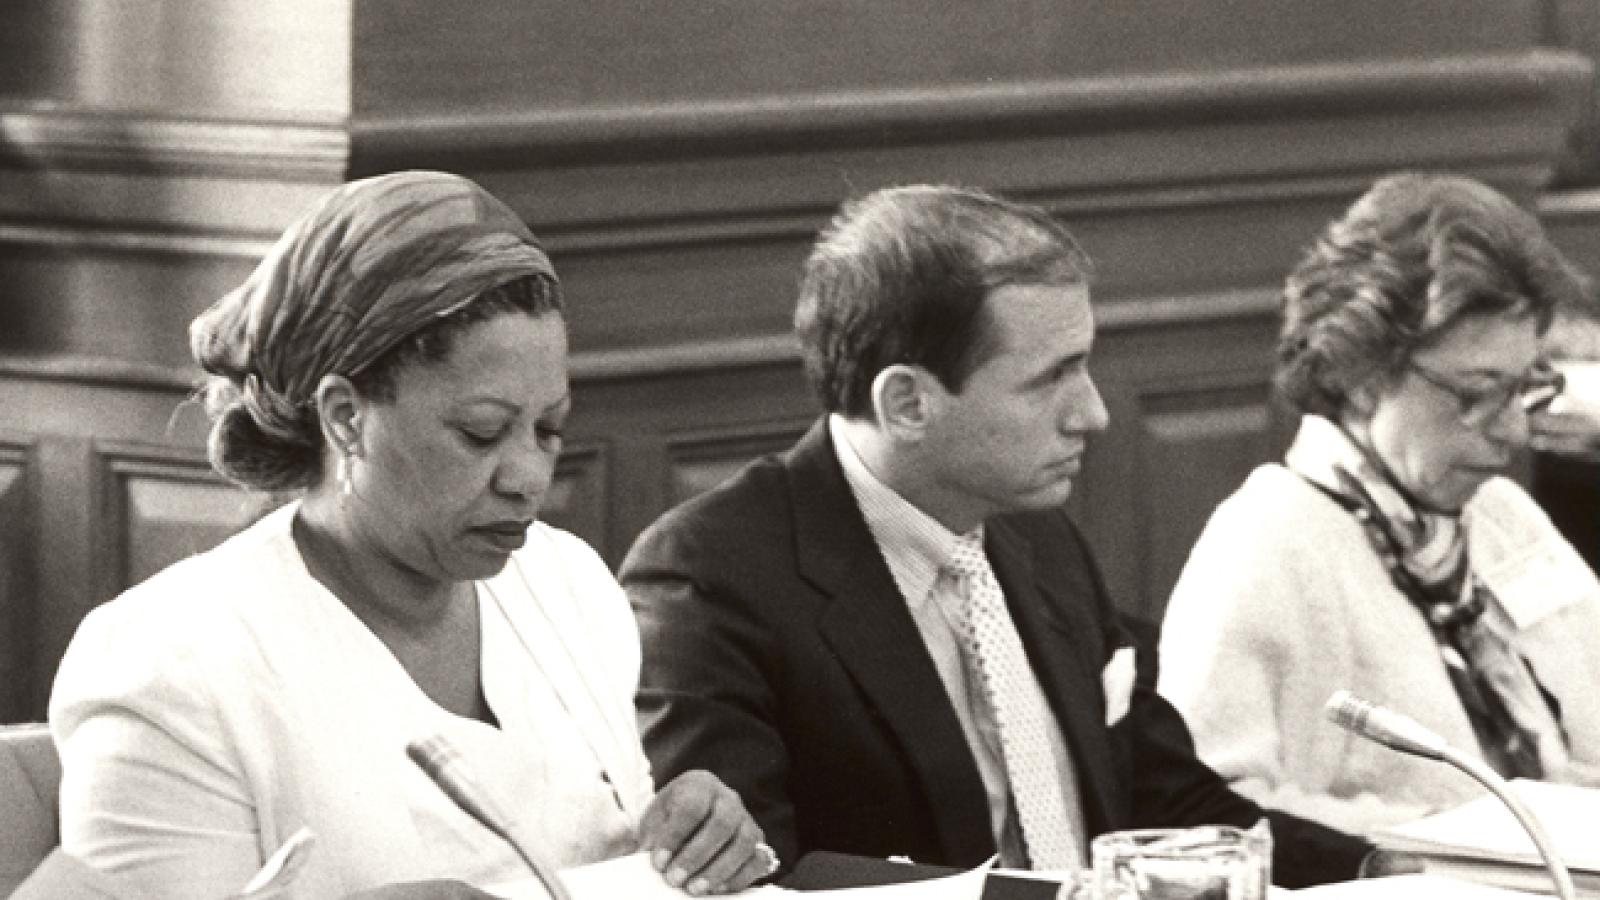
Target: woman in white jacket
<point x="399" y="363"/>
<point x="1387" y="555"/>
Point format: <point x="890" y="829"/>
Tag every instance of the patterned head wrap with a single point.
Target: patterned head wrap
<point x="372" y="264"/>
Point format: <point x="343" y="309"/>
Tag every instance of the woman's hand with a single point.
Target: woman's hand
<point x="1566" y="431"/>
<point x="700" y="837"/>
<point x="1571" y="424"/>
<point x="423" y="890"/>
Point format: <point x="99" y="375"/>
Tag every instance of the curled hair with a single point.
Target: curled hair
<point x="261" y="441"/>
<point x="1413" y="256"/>
<point x="900" y="276"/>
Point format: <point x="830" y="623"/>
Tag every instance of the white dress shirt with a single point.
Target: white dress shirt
<point x="916" y="548"/>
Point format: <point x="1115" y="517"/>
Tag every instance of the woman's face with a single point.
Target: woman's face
<point x="1453" y="418"/>
<point x="453" y="470"/>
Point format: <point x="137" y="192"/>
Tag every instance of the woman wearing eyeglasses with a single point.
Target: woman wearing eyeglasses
<point x="1387" y="555"/>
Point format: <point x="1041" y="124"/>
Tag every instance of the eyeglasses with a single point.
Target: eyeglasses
<point x="1535" y="390"/>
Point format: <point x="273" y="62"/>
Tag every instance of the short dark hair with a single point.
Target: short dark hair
<point x="1414" y="255"/>
<point x="291" y="459"/>
<point x="900" y="275"/>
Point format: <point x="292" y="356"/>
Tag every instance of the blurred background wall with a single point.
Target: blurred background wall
<point x="677" y="156"/>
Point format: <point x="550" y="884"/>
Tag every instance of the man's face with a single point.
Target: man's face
<point x="1013" y="437"/>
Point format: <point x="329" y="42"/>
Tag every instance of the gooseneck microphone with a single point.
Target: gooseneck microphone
<point x="443" y="764"/>
<point x="1402" y="733"/>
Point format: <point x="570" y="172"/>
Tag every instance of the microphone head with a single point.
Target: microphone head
<point x="1348" y="711"/>
<point x="433" y="755"/>
<point x="1387" y="727"/>
<point x="443" y="764"/>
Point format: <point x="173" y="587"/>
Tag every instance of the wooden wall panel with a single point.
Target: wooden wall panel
<point x="686" y="224"/>
<point x="1184" y="381"/>
<point x="577" y="499"/>
<point x="65" y="303"/>
<point x="1575" y="25"/>
<point x="18" y="515"/>
<point x="1200" y="441"/>
<point x="701" y="460"/>
<point x="1573" y="220"/>
<point x="162" y="505"/>
<point x="421" y="57"/>
<point x="69" y="552"/>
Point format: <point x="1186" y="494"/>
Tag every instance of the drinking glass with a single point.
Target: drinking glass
<point x="1211" y="862"/>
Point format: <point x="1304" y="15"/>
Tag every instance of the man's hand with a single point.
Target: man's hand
<point x="700" y="837"/>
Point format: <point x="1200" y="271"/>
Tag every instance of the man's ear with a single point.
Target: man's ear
<point x="901" y="400"/>
<point x="339" y="407"/>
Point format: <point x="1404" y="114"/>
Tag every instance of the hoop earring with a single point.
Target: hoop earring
<point x="346" y="483"/>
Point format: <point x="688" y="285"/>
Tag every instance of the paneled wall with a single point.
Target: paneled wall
<point x="677" y="159"/>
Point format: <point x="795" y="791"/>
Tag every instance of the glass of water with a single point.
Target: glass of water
<point x="1211" y="862"/>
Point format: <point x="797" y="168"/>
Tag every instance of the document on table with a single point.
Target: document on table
<point x="1407" y="887"/>
<point x="1481" y="841"/>
<point x="634" y="877"/>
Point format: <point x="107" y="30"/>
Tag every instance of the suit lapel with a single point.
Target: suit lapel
<point x="1064" y="648"/>
<point x="869" y="627"/>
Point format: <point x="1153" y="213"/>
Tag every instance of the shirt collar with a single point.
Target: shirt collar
<point x="913" y="543"/>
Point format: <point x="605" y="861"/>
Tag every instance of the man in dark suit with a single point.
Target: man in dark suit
<point x="822" y="631"/>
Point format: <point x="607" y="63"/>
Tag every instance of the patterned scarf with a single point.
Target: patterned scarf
<point x="370" y="265"/>
<point x="1518" y="722"/>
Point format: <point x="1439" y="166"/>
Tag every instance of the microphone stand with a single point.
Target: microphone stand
<point x="443" y="765"/>
<point x="1491" y="779"/>
<point x="1405" y="735"/>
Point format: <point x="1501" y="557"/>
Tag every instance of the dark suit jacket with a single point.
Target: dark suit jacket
<point x="779" y="654"/>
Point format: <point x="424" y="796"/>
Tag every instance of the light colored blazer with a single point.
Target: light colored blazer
<point x="207" y="714"/>
<point x="61" y="877"/>
<point x="1283" y="602"/>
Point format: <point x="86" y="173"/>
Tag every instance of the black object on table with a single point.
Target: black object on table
<point x="825" y="870"/>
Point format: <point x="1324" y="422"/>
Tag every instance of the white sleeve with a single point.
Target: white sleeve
<point x="1248" y="656"/>
<point x="151" y="791"/>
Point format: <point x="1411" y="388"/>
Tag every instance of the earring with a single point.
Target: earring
<point x="346" y="484"/>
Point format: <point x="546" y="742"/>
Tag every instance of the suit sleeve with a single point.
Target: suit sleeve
<point x="706" y="695"/>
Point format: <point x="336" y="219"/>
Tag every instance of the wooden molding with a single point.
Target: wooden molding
<point x="984" y="111"/>
<point x="100" y="372"/>
<point x="84" y="238"/>
<point x="45" y="138"/>
<point x="767" y="172"/>
<point x="607" y="181"/>
<point x="596" y="366"/>
<point x="701" y="458"/>
<point x="1577" y="204"/>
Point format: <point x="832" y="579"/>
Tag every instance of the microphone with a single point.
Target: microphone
<point x="1406" y="735"/>
<point x="1387" y="727"/>
<point x="443" y="764"/>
